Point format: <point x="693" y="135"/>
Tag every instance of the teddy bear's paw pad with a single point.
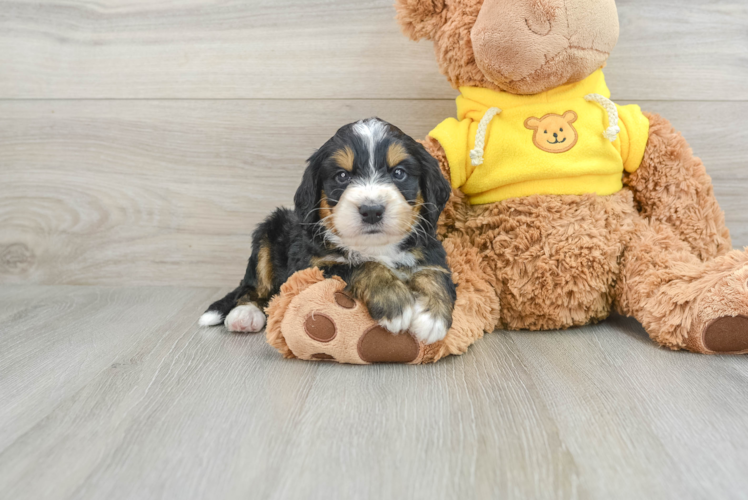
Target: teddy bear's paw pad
<point x="320" y="327"/>
<point x="344" y="300"/>
<point x="728" y="335"/>
<point x="377" y="345"/>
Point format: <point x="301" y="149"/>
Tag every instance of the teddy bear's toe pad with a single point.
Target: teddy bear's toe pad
<point x="320" y="327"/>
<point x="345" y="301"/>
<point x="377" y="345"/>
<point x="728" y="335"/>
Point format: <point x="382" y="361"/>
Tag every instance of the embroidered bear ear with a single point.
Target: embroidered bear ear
<point x="421" y="19"/>
<point x="570" y="117"/>
<point x="532" y="123"/>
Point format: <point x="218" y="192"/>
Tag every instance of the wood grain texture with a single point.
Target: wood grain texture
<point x="636" y="417"/>
<point x="168" y="192"/>
<point x="302" y="49"/>
<point x="115" y="393"/>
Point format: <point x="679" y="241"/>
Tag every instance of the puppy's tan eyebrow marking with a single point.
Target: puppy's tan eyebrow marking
<point x="396" y="154"/>
<point x="324" y="206"/>
<point x="325" y="212"/>
<point x="344" y="158"/>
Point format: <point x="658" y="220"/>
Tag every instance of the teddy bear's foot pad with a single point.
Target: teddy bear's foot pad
<point x="324" y="323"/>
<point x="728" y="335"/>
<point x="377" y="345"/>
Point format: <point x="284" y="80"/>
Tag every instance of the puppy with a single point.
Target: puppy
<point x="366" y="211"/>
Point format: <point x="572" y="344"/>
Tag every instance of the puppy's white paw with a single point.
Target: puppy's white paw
<point x="210" y="318"/>
<point x="245" y="319"/>
<point x="399" y="323"/>
<point x="426" y="327"/>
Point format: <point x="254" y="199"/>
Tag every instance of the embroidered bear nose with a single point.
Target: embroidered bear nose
<point x="555" y="135"/>
<point x="371" y="214"/>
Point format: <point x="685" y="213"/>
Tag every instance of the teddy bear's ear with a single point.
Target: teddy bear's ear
<point x="420" y="18"/>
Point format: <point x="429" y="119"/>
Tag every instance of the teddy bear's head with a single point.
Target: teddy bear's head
<point x="518" y="46"/>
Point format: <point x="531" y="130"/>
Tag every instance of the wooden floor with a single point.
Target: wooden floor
<point x="116" y="393"/>
<point x="142" y="140"/>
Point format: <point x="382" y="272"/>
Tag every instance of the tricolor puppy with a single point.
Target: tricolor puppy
<point x="366" y="211"/>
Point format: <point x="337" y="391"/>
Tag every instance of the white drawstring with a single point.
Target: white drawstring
<point x="476" y="155"/>
<point x="613" y="129"/>
<point x="480" y="137"/>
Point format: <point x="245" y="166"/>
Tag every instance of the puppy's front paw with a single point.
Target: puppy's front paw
<point x="392" y="307"/>
<point x="245" y="319"/>
<point x="427" y="326"/>
<point x="398" y="323"/>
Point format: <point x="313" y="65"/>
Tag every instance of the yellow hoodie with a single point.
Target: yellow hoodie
<point x="563" y="141"/>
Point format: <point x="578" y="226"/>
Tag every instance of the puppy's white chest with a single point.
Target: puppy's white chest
<point x="390" y="256"/>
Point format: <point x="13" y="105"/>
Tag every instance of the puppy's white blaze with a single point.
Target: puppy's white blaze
<point x="426" y="327"/>
<point x="245" y="319"/>
<point x="399" y="324"/>
<point x="372" y="131"/>
<point x="210" y="318"/>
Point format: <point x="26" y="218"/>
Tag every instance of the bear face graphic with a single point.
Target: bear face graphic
<point x="554" y="133"/>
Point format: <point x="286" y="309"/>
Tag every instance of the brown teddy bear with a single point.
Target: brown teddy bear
<point x="565" y="206"/>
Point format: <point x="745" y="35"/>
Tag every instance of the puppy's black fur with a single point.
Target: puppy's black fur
<point x="290" y="241"/>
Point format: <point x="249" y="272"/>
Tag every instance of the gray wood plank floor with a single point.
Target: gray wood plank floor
<point x="116" y="393"/>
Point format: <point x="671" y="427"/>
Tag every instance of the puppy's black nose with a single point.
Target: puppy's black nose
<point x="371" y="214"/>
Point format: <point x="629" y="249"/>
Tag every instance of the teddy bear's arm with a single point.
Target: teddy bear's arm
<point x="672" y="186"/>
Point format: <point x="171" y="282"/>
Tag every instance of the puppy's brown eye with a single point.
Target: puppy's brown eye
<point x="343" y="177"/>
<point x="399" y="174"/>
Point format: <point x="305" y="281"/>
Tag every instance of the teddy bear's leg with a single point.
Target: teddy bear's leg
<point x="671" y="186"/>
<point x="682" y="302"/>
<point x="325" y="323"/>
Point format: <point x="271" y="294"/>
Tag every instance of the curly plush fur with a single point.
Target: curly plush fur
<point x="672" y="187"/>
<point x="658" y="250"/>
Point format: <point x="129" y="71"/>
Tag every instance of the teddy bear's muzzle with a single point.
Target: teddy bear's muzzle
<point x="528" y="47"/>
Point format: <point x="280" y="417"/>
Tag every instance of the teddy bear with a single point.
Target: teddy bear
<point x="565" y="206"/>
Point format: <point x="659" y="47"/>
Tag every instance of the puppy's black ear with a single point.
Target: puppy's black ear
<point x="435" y="189"/>
<point x="307" y="198"/>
